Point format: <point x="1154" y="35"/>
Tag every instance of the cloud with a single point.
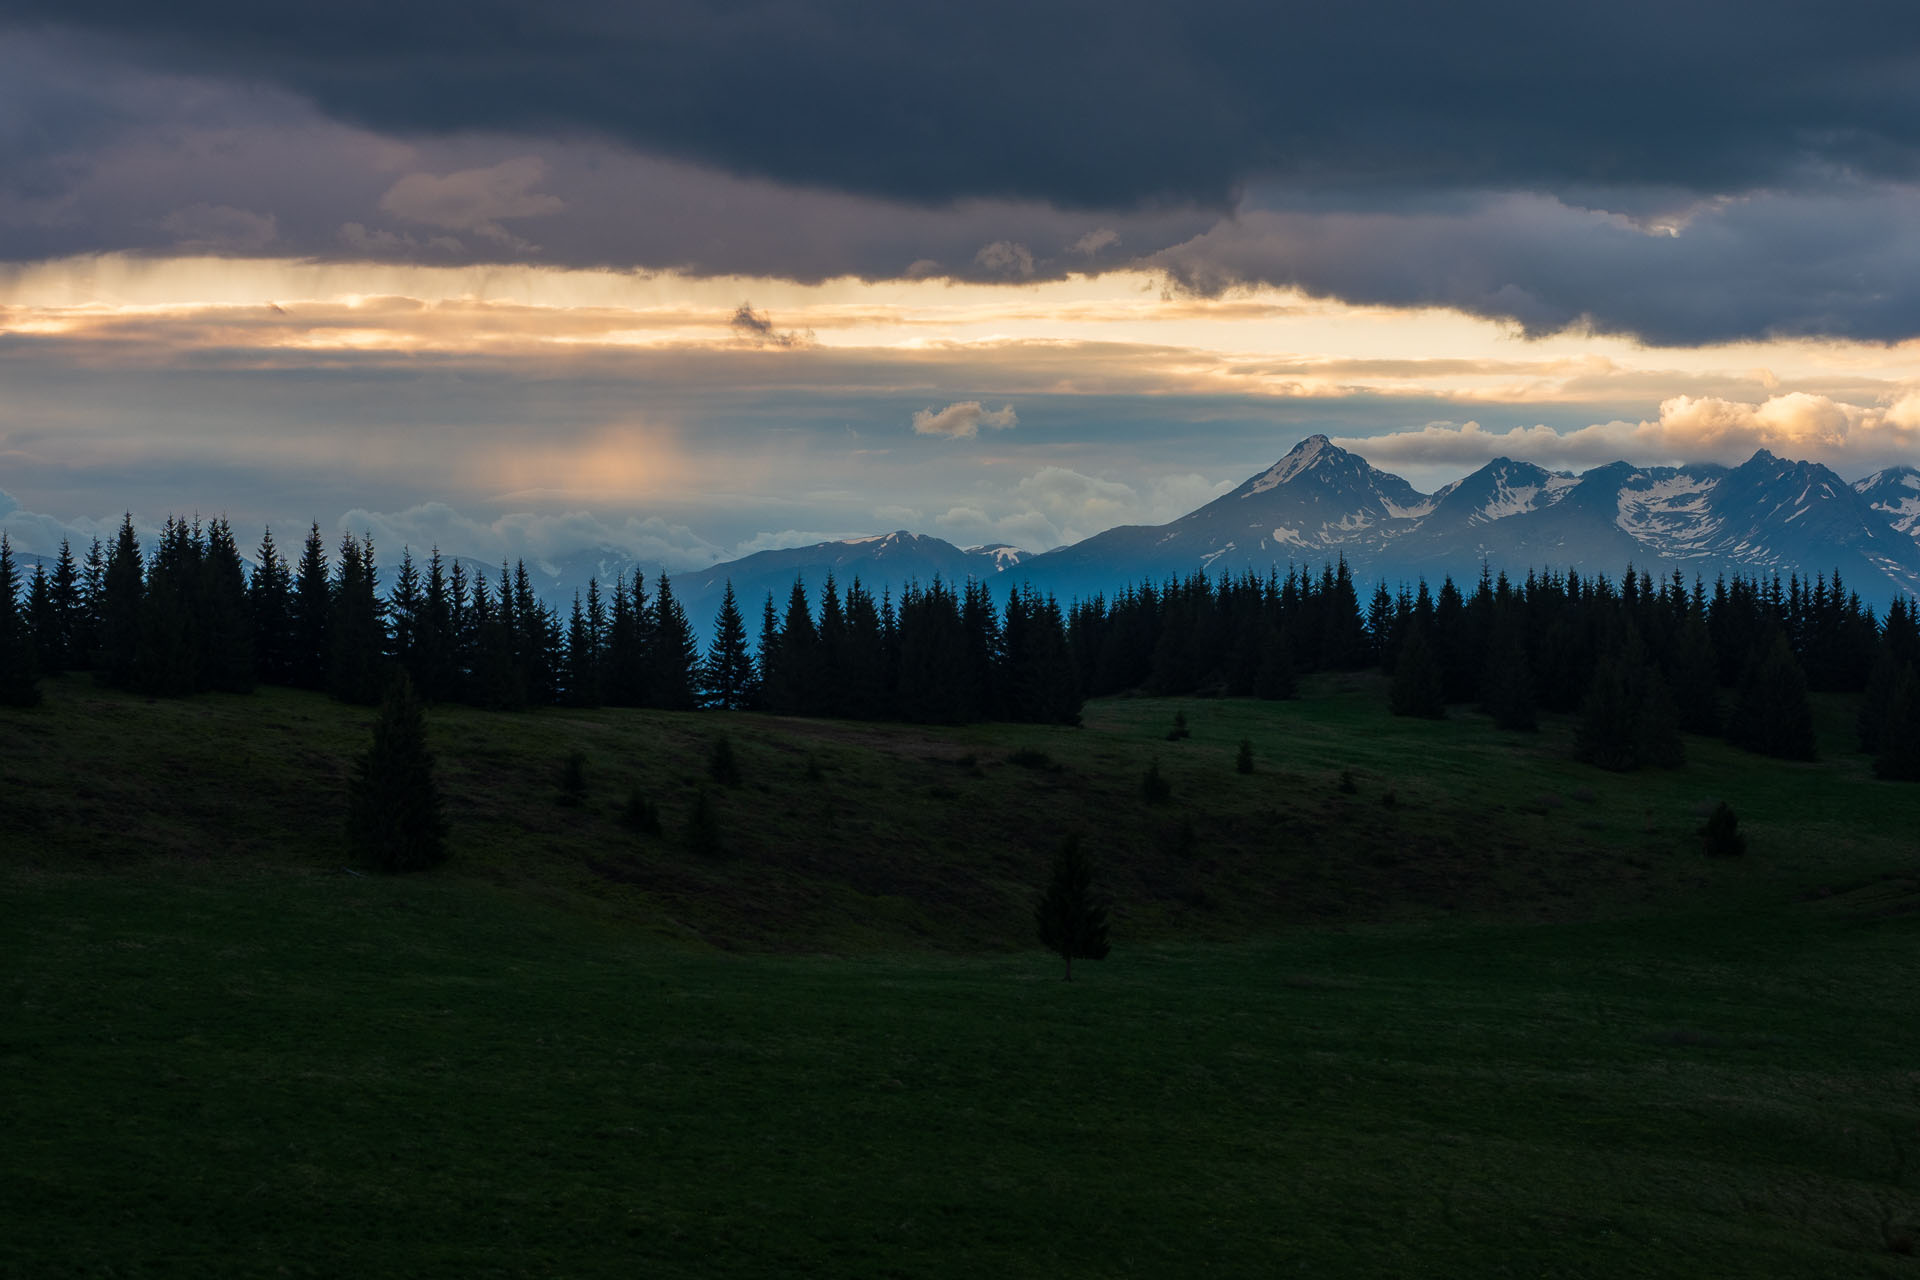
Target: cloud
<point x="475" y="199"/>
<point x="1840" y="261"/>
<point x="1094" y="241"/>
<point x="1183" y="107"/>
<point x="1853" y="439"/>
<point x="8" y="504"/>
<point x="221" y="227"/>
<point x="962" y="421"/>
<point x="757" y="327"/>
<point x="543" y="539"/>
<point x="1057" y="505"/>
<point x="785" y="538"/>
<point x="1005" y="259"/>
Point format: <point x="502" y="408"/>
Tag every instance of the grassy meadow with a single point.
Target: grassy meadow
<point x="1487" y="1012"/>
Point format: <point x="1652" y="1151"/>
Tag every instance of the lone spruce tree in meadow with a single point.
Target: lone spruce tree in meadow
<point x="394" y="817"/>
<point x="1070" y="917"/>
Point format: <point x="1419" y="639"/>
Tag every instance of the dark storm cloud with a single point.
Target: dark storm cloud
<point x="1840" y="261"/>
<point x="1685" y="173"/>
<point x="1098" y="104"/>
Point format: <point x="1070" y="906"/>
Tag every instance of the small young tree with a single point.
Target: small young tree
<point x="640" y="814"/>
<point x="703" y="825"/>
<point x="1071" y="918"/>
<point x="1244" y="760"/>
<point x="1179" y="732"/>
<point x="394" y="817"/>
<point x="573" y="780"/>
<point x="1154" y="787"/>
<point x="722" y="765"/>
<point x="1721" y="834"/>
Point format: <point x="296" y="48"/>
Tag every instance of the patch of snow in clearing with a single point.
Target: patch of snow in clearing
<point x="1399" y="512"/>
<point x="1206" y="561"/>
<point x="1284" y="535"/>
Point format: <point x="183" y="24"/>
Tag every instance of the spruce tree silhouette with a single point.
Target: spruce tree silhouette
<point x="19" y="671"/>
<point x="394" y="816"/>
<point x="1070" y="917"/>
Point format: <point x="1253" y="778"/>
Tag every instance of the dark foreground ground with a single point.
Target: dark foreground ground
<point x="1513" y="1023"/>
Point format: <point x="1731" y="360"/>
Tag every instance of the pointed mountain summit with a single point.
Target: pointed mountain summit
<point x="1316" y="503"/>
<point x="1501" y="489"/>
<point x="882" y="561"/>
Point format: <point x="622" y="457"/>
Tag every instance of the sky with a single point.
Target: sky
<point x="688" y="280"/>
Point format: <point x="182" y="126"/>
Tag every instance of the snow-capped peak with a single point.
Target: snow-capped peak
<point x="1004" y="555"/>
<point x="1301" y="458"/>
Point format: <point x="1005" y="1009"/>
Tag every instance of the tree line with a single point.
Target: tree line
<point x="1640" y="659"/>
<point x="186" y="616"/>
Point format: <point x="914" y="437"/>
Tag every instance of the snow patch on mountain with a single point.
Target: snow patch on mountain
<point x="1418" y="511"/>
<point x="1895" y="493"/>
<point x="1671" y="513"/>
<point x="1003" y="556"/>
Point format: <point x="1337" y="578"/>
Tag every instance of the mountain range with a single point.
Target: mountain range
<point x="1768" y="515"/>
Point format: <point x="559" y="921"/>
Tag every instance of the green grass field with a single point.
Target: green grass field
<point x="1513" y="1023"/>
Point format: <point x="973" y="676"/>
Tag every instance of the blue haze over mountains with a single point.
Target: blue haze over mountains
<point x="1768" y="515"/>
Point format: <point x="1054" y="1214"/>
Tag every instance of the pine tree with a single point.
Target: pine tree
<point x="119" y="614"/>
<point x="167" y="660"/>
<point x="577" y="669"/>
<point x="226" y="621"/>
<point x="1721" y="836"/>
<point x="19" y="668"/>
<point x="356" y="640"/>
<point x="406" y="618"/>
<point x="675" y="659"/>
<point x="312" y="610"/>
<point x="70" y="609"/>
<point x="441" y="617"/>
<point x="1628" y="719"/>
<point x="93" y="583"/>
<point x="394" y="814"/>
<point x="1772" y="715"/>
<point x="1696" y="680"/>
<point x="270" y="598"/>
<point x="1507" y="686"/>
<point x="726" y="678"/>
<point x="1275" y="679"/>
<point x="43" y="622"/>
<point x="703" y="825"/>
<point x="1416" y="688"/>
<point x="573" y="780"/>
<point x="1899" y="757"/>
<point x="722" y="765"/>
<point x="771" y="680"/>
<point x="1070" y="918"/>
